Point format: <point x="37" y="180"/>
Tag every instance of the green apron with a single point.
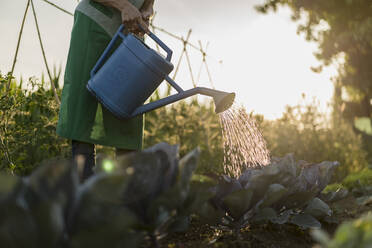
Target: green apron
<point x="81" y="117"/>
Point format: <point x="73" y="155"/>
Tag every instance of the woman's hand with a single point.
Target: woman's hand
<point x="147" y="10"/>
<point x="132" y="17"/>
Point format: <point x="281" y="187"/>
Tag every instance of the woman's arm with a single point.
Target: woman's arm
<point x="147" y="10"/>
<point x="130" y="15"/>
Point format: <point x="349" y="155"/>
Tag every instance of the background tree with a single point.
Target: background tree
<point x="343" y="31"/>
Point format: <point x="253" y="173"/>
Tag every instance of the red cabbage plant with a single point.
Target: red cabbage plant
<point x="286" y="191"/>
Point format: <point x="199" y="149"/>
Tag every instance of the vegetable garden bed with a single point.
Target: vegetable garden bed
<point x="266" y="235"/>
<point x="147" y="199"/>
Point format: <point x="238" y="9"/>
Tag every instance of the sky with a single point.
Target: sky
<point x="263" y="59"/>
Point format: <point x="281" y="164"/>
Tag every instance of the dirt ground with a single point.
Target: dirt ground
<point x="262" y="236"/>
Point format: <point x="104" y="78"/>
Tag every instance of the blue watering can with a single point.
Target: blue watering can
<point x="125" y="80"/>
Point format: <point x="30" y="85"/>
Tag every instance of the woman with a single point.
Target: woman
<point x="82" y="119"/>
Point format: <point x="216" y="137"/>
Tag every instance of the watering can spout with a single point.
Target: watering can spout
<point x="223" y="101"/>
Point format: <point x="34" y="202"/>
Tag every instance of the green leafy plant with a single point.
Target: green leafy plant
<point x="285" y="191"/>
<point x="28" y="118"/>
<point x="34" y="210"/>
<point x="99" y="217"/>
<point x="29" y="114"/>
<point x="314" y="136"/>
<point x="358" y="180"/>
<point x="158" y="190"/>
<point x="142" y="195"/>
<point x="191" y="124"/>
<point x="352" y="234"/>
<point x="359" y="184"/>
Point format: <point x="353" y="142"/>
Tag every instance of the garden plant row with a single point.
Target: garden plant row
<point x="139" y="198"/>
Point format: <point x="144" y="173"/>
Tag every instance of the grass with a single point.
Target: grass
<point x="356" y="180"/>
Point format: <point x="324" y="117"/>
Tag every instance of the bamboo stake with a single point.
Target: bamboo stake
<point x="154" y="28"/>
<point x="6" y="149"/>
<point x="18" y="43"/>
<point x="188" y="59"/>
<point x="178" y="65"/>
<point x="60" y="8"/>
<point x="202" y="63"/>
<point x="43" y="52"/>
<point x="190" y="68"/>
<point x="185" y="41"/>
<point x="206" y="65"/>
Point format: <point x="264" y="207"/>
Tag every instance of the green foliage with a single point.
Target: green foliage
<point x="34" y="209"/>
<point x="353" y="234"/>
<point x="343" y="31"/>
<point x="283" y="192"/>
<point x="158" y="191"/>
<point x="145" y="194"/>
<point x="190" y="124"/>
<point x="359" y="184"/>
<point x="313" y="136"/>
<point x="303" y="130"/>
<point x="358" y="180"/>
<point x="333" y="187"/>
<point x="364" y="125"/>
<point x="99" y="217"/>
<point x="28" y="118"/>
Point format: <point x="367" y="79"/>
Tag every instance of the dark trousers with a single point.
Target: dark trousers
<point x="87" y="151"/>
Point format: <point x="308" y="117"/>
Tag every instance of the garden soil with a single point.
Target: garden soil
<point x="262" y="236"/>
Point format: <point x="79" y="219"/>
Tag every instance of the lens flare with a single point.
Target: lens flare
<point x="108" y="166"/>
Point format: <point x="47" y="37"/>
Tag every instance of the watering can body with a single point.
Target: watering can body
<point x="123" y="81"/>
<point x="126" y="79"/>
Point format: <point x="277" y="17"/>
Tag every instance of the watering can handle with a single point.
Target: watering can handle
<point x="159" y="42"/>
<point x="118" y="34"/>
<point x="107" y="50"/>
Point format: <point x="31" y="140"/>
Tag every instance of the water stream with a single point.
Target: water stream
<point x="244" y="145"/>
